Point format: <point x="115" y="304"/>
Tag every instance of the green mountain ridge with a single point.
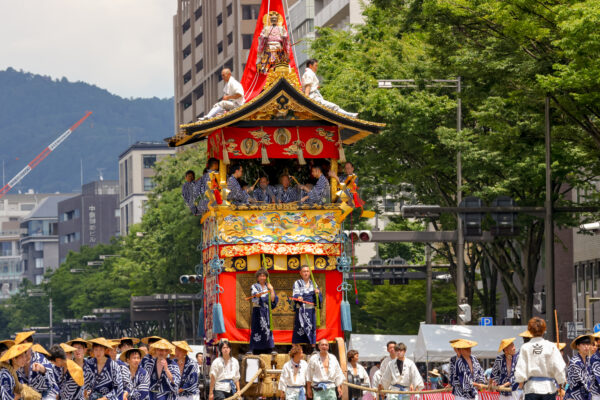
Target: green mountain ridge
<point x="36" y="109"/>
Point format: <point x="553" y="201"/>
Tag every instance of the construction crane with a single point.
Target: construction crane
<point x="40" y="157"/>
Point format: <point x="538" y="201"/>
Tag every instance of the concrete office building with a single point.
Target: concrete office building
<point x="13" y="208"/>
<point x="39" y="242"/>
<point x="90" y="218"/>
<point x="136" y="169"/>
<point x="207" y="36"/>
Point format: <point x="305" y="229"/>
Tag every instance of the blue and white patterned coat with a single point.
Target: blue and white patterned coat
<point x="266" y="195"/>
<point x="464" y="379"/>
<point x="188" y="385"/>
<point x="261" y="336"/>
<point x="7" y="385"/>
<point x="288" y="195"/>
<point x="42" y="383"/>
<point x="140" y="385"/>
<point x="237" y="195"/>
<point x="107" y="383"/>
<point x="320" y="192"/>
<point x="594" y="371"/>
<point x="579" y="379"/>
<point x="305" y="319"/>
<point x="161" y="387"/>
<point x="500" y="373"/>
<point x="68" y="388"/>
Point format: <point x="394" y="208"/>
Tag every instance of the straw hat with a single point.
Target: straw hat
<point x="21" y="336"/>
<point x="38" y="348"/>
<point x="15" y="351"/>
<point x="126" y="354"/>
<point x="8" y="343"/>
<point x="504" y="343"/>
<point x="183" y="345"/>
<point x="145" y="340"/>
<point x="578" y="338"/>
<point x="526" y="334"/>
<point x="67" y="348"/>
<point x="133" y="340"/>
<point x="115" y="343"/>
<point x="453" y="341"/>
<point x="75" y="371"/>
<point x="561" y="346"/>
<point x="80" y="341"/>
<point x="464" y="344"/>
<point x="434" y="372"/>
<point x="162" y="344"/>
<point x="101" y="342"/>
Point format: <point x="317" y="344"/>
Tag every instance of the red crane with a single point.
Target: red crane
<point x="40" y="157"/>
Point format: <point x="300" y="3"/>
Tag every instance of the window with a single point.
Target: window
<point x="148" y="184"/>
<point x="39" y="263"/>
<point x="118" y="213"/>
<point x="187" y="102"/>
<point x="149" y="160"/>
<point x="5" y="249"/>
<point x="246" y="41"/>
<point x="229" y="9"/>
<point x="200" y="65"/>
<point x="199" y="92"/>
<point x="186" y="26"/>
<point x="27" y="207"/>
<point x="187" y="77"/>
<point x="198" y="13"/>
<point x="199" y="39"/>
<point x="69" y="215"/>
<point x="219" y="19"/>
<point x="229" y="38"/>
<point x="39" y="279"/>
<point x="187" y="51"/>
<point x="250" y="11"/>
<point x="38" y="246"/>
<point x="220" y="48"/>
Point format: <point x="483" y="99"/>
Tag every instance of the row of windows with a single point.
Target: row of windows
<point x="69" y="215"/>
<point x="149" y="160"/>
<point x="17" y="206"/>
<point x="586" y="276"/>
<point x="250" y="11"/>
<point x="71" y="237"/>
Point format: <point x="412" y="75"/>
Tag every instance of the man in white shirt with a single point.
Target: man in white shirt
<point x="391" y="349"/>
<point x="540" y="366"/>
<point x="324" y="374"/>
<point x="310" y="87"/>
<point x="233" y="96"/>
<point x="401" y="374"/>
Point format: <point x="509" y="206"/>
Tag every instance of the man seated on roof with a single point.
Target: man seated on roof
<point x="233" y="96"/>
<point x="319" y="194"/>
<point x="237" y="195"/>
<point x="264" y="193"/>
<point x="310" y="87"/>
<point x="285" y="192"/>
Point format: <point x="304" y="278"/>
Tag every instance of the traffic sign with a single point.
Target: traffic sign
<point x="597" y="328"/>
<point x="486" y="321"/>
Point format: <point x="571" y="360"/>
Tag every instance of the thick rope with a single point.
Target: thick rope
<point x="245" y="388"/>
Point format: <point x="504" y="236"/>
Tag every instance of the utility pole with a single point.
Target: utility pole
<point x="549" y="229"/>
<point x="429" y="278"/>
<point x="50" y="324"/>
<point x="460" y="243"/>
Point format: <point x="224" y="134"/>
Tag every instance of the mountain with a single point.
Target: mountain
<point x="35" y="110"/>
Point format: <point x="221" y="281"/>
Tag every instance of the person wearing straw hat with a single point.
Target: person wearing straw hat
<point x="224" y="374"/>
<point x="188" y="369"/>
<point x="81" y="346"/>
<point x="305" y="317"/>
<point x="68" y="374"/>
<point x="578" y="374"/>
<point x="324" y="374"/>
<point x="35" y="372"/>
<point x="452" y="364"/>
<point x="595" y="369"/>
<point x="164" y="373"/>
<point x="103" y="380"/>
<point x="292" y="381"/>
<point x="112" y="354"/>
<point x="13" y="359"/>
<point x="540" y="366"/>
<point x="147" y="342"/>
<point x="357" y="374"/>
<point x="526" y="335"/>
<point x="263" y="296"/>
<point x="434" y="378"/>
<point x="126" y="343"/>
<point x="503" y="370"/>
<point x="5" y="345"/>
<point x="69" y="350"/>
<point x="401" y="375"/>
<point x="468" y="374"/>
<point x="139" y="377"/>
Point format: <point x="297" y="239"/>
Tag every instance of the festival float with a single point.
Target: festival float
<point x="277" y="122"/>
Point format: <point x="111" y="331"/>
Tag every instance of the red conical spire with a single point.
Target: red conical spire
<point x="252" y="80"/>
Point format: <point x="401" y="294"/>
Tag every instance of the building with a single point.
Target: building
<point x="207" y="36"/>
<point x="39" y="242"/>
<point x="90" y="218"/>
<point x="13" y="208"/>
<point x="136" y="169"/>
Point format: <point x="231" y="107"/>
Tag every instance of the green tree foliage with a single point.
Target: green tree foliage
<point x="489" y="45"/>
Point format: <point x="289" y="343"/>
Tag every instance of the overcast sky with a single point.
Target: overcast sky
<point x="124" y="46"/>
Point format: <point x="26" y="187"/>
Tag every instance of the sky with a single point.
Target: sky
<point x="124" y="46"/>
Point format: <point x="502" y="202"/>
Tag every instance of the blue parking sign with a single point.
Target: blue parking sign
<point x="486" y="321"/>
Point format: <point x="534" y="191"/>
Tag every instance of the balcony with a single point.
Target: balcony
<point x="333" y="13"/>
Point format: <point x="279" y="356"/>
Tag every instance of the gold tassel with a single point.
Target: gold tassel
<point x="265" y="157"/>
<point x="225" y="152"/>
<point x="301" y="159"/>
<point x="342" y="153"/>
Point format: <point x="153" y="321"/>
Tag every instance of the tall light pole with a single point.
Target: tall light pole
<point x="460" y="242"/>
<point x="549" y="228"/>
